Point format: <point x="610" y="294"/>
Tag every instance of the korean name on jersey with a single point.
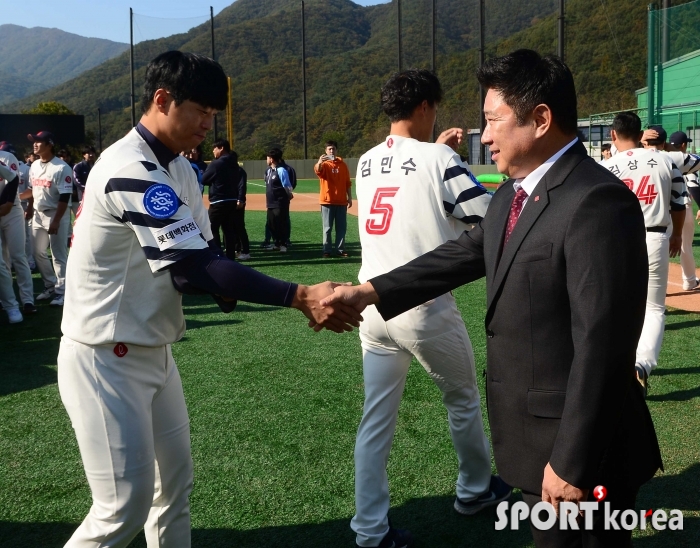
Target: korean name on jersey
<point x="412" y="196"/>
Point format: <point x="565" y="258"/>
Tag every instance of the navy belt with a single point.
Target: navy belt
<point x="657" y="229"/>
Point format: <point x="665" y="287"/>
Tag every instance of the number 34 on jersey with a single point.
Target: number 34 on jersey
<point x="644" y="190"/>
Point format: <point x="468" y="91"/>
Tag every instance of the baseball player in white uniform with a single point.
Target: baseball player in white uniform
<point x="51" y="180"/>
<point x="13" y="235"/>
<point x="9" y="181"/>
<point x="413" y="196"/>
<point x="661" y="191"/>
<point x="140" y="239"/>
<point x="678" y="143"/>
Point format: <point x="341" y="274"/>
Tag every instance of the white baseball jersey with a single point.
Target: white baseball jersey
<point x="684" y="161"/>
<point x="48" y="181"/>
<point x="412" y="196"/>
<point x="9" y="161"/>
<point x="655" y="179"/>
<point x="137" y="218"/>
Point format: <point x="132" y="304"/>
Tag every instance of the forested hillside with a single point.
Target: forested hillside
<point x="35" y="59"/>
<point x="351" y="50"/>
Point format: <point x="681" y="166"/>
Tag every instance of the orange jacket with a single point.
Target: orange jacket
<point x="335" y="182"/>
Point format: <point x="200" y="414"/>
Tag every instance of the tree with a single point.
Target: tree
<point x="49" y="107"/>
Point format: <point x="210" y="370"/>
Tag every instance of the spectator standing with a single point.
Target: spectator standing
<point x="81" y="170"/>
<point x="278" y="194"/>
<point x="679" y="142"/>
<point x="227" y="183"/>
<point x="335" y="197"/>
<point x="51" y="180"/>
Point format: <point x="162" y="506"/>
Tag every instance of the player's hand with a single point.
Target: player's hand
<point x="29" y="214"/>
<point x="53" y="227"/>
<point x="358" y="297"/>
<point x="350" y="204"/>
<point x="674" y="245"/>
<point x="240" y="205"/>
<point x="336" y="317"/>
<point x="451" y="137"/>
<point x="697" y="217"/>
<point x="649" y="135"/>
<point x="556" y="490"/>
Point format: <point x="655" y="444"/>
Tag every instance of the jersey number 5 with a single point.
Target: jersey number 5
<point x="381" y="226"/>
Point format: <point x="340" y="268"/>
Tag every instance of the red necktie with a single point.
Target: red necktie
<point x="515" y="208"/>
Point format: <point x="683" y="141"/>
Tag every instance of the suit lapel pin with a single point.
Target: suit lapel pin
<point x="537" y="198"/>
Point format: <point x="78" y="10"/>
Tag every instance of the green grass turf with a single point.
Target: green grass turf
<point x="274" y="408"/>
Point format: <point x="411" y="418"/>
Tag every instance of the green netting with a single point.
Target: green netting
<point x="676" y="31"/>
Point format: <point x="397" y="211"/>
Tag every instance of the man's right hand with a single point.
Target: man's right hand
<point x="29" y="214"/>
<point x="451" y="137"/>
<point x="322" y="159"/>
<point x="357" y="297"/>
<point x="336" y="317"/>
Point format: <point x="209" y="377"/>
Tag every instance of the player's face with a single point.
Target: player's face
<point x="188" y="123"/>
<point x="509" y="143"/>
<point x="41" y="148"/>
<point x="607" y="154"/>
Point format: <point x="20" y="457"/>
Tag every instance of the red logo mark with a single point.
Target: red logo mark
<point x="629" y="153"/>
<point x="14" y="167"/>
<point x="600" y="493"/>
<point x="120" y="349"/>
<point x="390" y="142"/>
<point x="649" y="513"/>
<point x="537" y="198"/>
<point x="67" y="179"/>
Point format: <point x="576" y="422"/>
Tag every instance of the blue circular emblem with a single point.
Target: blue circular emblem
<point x="160" y="201"/>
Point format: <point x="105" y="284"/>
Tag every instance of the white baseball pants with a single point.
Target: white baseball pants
<point x="13" y="232"/>
<point x="54" y="277"/>
<point x="435" y="334"/>
<point x="687" y="258"/>
<point x="7" y="293"/>
<point x="649" y="345"/>
<point x="131" y="423"/>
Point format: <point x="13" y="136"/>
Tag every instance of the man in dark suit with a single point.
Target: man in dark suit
<point x="563" y="250"/>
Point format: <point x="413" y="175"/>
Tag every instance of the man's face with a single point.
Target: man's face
<point x="217" y="152"/>
<point x="509" y="143"/>
<point x="89" y="157"/>
<point x="607" y="154"/>
<point x="187" y="124"/>
<point x="41" y="148"/>
<point x="331" y="150"/>
<point x="269" y="161"/>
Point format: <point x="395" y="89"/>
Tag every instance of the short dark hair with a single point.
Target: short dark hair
<point x="605" y="146"/>
<point x="627" y="125"/>
<point x="63" y="153"/>
<point x="406" y="90"/>
<point x="275" y="154"/>
<point x="331" y="143"/>
<point x="89" y="149"/>
<point x="187" y="77"/>
<point x="525" y="79"/>
<point x="223" y="143"/>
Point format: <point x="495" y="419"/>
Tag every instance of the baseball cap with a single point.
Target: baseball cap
<point x="42" y="136"/>
<point x="677" y="138"/>
<point x="661" y="131"/>
<point x="7" y="147"/>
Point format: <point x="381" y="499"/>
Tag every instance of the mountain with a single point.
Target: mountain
<point x="40" y="58"/>
<point x="351" y="50"/>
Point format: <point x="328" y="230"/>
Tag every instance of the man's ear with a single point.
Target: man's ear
<point x="613" y="135"/>
<point x="162" y="99"/>
<point x="542" y="118"/>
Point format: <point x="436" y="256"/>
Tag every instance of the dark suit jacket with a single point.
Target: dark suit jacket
<point x="566" y="302"/>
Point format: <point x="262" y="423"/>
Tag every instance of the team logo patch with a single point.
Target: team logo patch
<point x="120" y="350"/>
<point x="390" y="142"/>
<point x="67" y="179"/>
<point x="13" y="167"/>
<point x="160" y="201"/>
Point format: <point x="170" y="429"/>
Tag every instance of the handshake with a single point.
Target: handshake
<point x="334" y="306"/>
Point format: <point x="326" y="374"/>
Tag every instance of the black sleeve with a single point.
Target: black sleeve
<point x="242" y="186"/>
<point x="210" y="174"/>
<point x="10" y="191"/>
<point x="206" y="272"/>
<point x="694" y="191"/>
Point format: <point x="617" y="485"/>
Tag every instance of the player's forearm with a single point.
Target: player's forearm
<point x="677" y="220"/>
<point x="60" y="210"/>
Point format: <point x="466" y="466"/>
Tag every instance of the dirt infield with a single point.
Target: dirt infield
<point x="301" y="202"/>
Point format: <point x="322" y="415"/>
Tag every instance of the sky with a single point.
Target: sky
<point x="110" y="18"/>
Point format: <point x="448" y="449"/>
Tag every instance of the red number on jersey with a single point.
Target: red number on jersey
<point x="646" y="192"/>
<point x="381" y="226"/>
